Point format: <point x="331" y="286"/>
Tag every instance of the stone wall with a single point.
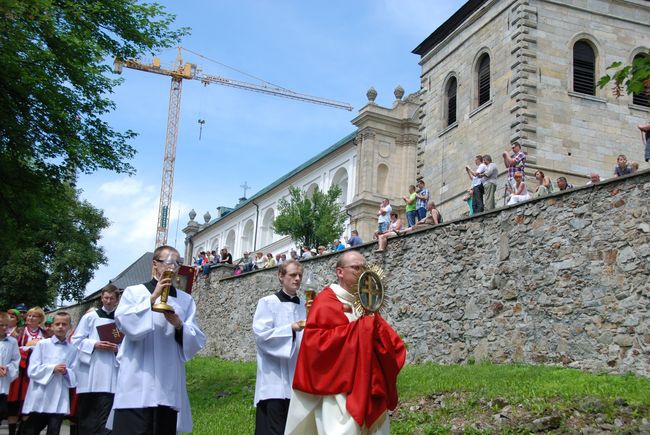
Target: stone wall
<point x="558" y="280"/>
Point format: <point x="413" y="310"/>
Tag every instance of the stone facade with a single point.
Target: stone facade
<point x="558" y="280"/>
<point x="530" y="46"/>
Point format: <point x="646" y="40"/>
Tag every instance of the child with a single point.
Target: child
<point x="9" y="360"/>
<point x="52" y="374"/>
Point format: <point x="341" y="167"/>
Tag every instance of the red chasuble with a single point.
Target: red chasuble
<point x="361" y="358"/>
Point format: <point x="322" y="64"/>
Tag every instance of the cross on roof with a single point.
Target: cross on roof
<point x="246" y="187"/>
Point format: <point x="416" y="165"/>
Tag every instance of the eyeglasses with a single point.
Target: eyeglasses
<point x="175" y="263"/>
<point x="356" y="267"/>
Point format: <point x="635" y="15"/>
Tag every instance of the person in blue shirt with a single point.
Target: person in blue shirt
<point x="355" y="240"/>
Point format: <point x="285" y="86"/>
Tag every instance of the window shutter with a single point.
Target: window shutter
<point x="584" y="68"/>
<point x="484" y="80"/>
<point x="641" y="99"/>
<point x="451" y="101"/>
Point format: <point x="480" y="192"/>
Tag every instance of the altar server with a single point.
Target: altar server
<point x="52" y="374"/>
<point x="277" y="328"/>
<point x="151" y="395"/>
<point x="9" y="360"/>
<point x="97" y="365"/>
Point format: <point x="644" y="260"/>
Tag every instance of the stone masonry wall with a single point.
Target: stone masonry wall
<point x="559" y="280"/>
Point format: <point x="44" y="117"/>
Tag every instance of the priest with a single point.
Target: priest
<point x="97" y="364"/>
<point x="277" y="327"/>
<point x="151" y="395"/>
<point x="346" y="374"/>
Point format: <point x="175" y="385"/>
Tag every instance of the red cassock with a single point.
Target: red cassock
<point x="361" y="359"/>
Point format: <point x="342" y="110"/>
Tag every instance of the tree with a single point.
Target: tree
<point x="311" y="221"/>
<point x="635" y="78"/>
<point x="54" y="88"/>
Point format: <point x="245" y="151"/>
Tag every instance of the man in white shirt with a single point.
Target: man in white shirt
<point x="278" y="329"/>
<point x="477" y="184"/>
<point x="151" y="393"/>
<point x="383" y="216"/>
<point x="97" y="365"/>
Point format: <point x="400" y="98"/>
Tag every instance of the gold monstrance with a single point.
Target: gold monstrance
<point x="163" y="306"/>
<point x="369" y="293"/>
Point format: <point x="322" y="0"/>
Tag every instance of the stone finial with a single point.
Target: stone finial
<point x="398" y="92"/>
<point x="207" y="217"/>
<point x="192" y="214"/>
<point x="371" y="94"/>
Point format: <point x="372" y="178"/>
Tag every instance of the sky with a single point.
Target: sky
<point x="334" y="50"/>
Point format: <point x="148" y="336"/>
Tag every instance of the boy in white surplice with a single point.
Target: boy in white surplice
<point x="52" y="373"/>
<point x="277" y="328"/>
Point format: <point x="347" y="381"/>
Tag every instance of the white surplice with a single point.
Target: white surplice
<point x="277" y="347"/>
<point x="96" y="369"/>
<point x="9" y="357"/>
<point x="327" y="415"/>
<point x="49" y="392"/>
<point x="152" y="363"/>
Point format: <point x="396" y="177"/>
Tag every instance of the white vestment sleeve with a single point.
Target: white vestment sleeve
<point x="70" y="378"/>
<point x="14" y="361"/>
<point x="38" y="370"/>
<point x="193" y="337"/>
<point x="81" y="340"/>
<point x="133" y="315"/>
<point x="272" y="340"/>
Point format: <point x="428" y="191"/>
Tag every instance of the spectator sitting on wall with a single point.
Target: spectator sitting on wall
<point x="294" y="255"/>
<point x="434" y="217"/>
<point x="411" y="212"/>
<point x="337" y="245"/>
<point x="634" y="166"/>
<point x="422" y="198"/>
<point x="278" y="259"/>
<point x="259" y="260"/>
<point x="622" y="168"/>
<point x="270" y="261"/>
<point x="489" y="178"/>
<point x="520" y="192"/>
<point x="477" y="183"/>
<point x="393" y="230"/>
<point x="306" y="253"/>
<point x="283" y="258"/>
<point x="544" y="185"/>
<point x="322" y="250"/>
<point x="593" y="178"/>
<point x="468" y="199"/>
<point x="226" y="258"/>
<point x="355" y="240"/>
<point x="562" y="184"/>
<point x="247" y="262"/>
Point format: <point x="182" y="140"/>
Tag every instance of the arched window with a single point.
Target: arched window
<point x="230" y="241"/>
<point x="642" y="98"/>
<point x="483" y="79"/>
<point x="248" y="236"/>
<point x="584" y="68"/>
<point x="310" y="190"/>
<point x="267" y="227"/>
<point x="450" y="93"/>
<point x="382" y="179"/>
<point x="341" y="179"/>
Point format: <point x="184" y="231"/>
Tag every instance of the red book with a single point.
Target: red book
<point x="109" y="332"/>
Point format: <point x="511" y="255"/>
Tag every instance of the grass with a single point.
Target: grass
<point x="437" y="399"/>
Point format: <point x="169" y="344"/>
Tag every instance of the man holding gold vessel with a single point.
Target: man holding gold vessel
<point x="277" y="327"/>
<point x="346" y="373"/>
<point x="160" y="335"/>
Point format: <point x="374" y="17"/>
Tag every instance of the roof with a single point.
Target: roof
<point x="448" y="27"/>
<point x="138" y="272"/>
<point x="285" y="177"/>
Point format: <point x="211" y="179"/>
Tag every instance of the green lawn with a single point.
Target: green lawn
<point x="481" y="398"/>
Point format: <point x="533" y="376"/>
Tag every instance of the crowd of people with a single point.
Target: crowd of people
<point x="120" y="369"/>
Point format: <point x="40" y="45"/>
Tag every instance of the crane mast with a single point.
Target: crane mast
<point x="189" y="71"/>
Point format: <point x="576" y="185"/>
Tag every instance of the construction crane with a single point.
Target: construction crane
<point x="189" y="71"/>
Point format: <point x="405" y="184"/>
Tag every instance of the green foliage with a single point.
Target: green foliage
<point x="635" y="78"/>
<point x="49" y="241"/>
<point x="311" y="221"/>
<point x="56" y="59"/>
